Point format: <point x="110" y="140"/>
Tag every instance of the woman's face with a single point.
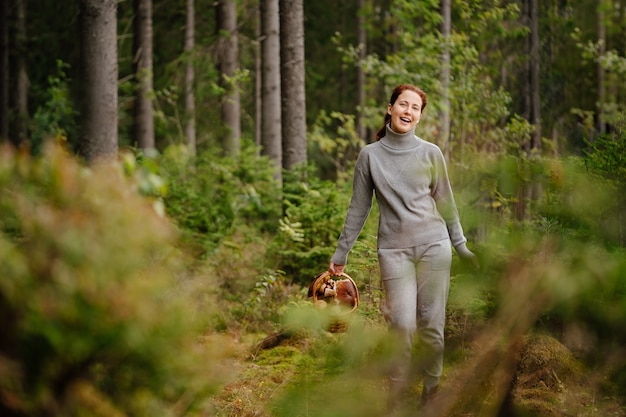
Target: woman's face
<point x="405" y="112"/>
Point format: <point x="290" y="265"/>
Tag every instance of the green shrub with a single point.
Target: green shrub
<point x="208" y="195"/>
<point x="55" y="119"/>
<point x="314" y="213"/>
<point x="98" y="320"/>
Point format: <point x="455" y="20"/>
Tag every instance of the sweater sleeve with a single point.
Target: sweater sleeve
<point x="358" y="211"/>
<point x="442" y="193"/>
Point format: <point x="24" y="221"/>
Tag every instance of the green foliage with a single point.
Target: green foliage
<point x="479" y="110"/>
<point x="55" y="118"/>
<point x="341" y="374"/>
<point x="308" y="232"/>
<point x="606" y="156"/>
<point x="556" y="219"/>
<point x="209" y="194"/>
<point x="266" y="303"/>
<point x="334" y="140"/>
<point x="580" y="205"/>
<point x="97" y="322"/>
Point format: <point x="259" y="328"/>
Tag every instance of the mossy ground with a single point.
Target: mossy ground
<point x="321" y="374"/>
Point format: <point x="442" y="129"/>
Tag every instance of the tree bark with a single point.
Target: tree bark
<point x="444" y="139"/>
<point x="271" y="141"/>
<point x="99" y="68"/>
<point x="292" y="89"/>
<point x="526" y="73"/>
<point x="600" y="81"/>
<point x="360" y="75"/>
<point x="229" y="64"/>
<point x="190" y="103"/>
<point x="535" y="72"/>
<point x="4" y="71"/>
<point x="258" y="82"/>
<point x="22" y="85"/>
<point x="142" y="63"/>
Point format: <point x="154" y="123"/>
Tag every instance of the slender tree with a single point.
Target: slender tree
<point x="99" y="68"/>
<point x="142" y="66"/>
<point x="190" y="103"/>
<point x="22" y="85"/>
<point x="271" y="142"/>
<point x="601" y="73"/>
<point x="292" y="87"/>
<point x="4" y="71"/>
<point x="446" y="24"/>
<point x="258" y="78"/>
<point x="535" y="73"/>
<point x="360" y="75"/>
<point x="229" y="65"/>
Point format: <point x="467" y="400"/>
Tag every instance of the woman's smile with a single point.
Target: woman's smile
<point x="405" y="112"/>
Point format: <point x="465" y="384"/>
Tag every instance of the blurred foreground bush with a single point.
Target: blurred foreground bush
<point x="93" y="320"/>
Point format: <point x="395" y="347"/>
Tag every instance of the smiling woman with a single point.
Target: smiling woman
<point x="405" y="111"/>
<point x="418" y="225"/>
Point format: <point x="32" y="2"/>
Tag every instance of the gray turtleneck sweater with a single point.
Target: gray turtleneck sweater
<point x="409" y="177"/>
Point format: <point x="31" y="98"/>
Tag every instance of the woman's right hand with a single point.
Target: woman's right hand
<point x="336" y="269"/>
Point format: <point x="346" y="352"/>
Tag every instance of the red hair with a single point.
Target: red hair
<point x="394" y="96"/>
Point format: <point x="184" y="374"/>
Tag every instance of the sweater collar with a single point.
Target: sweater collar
<point x="399" y="140"/>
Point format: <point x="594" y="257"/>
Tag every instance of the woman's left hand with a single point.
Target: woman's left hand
<point x="468" y="256"/>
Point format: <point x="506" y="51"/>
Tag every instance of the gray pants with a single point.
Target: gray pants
<point x="416" y="283"/>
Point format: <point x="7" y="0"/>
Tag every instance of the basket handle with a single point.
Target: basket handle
<point x="322" y="278"/>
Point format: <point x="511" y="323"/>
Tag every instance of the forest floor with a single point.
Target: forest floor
<point x="292" y="374"/>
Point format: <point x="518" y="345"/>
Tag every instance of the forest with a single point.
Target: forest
<point x="174" y="174"/>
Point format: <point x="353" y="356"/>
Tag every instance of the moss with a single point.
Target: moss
<point x="546" y="370"/>
<point x="545" y="363"/>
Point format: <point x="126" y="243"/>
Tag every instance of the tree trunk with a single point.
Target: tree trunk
<point x="142" y="66"/>
<point x="98" y="20"/>
<point x="444" y="140"/>
<point x="190" y="104"/>
<point x="229" y="64"/>
<point x="534" y="70"/>
<point x="600" y="81"/>
<point x="4" y="71"/>
<point x="292" y="88"/>
<point x="258" y="82"/>
<point x="527" y="84"/>
<point x="22" y="85"/>
<point x="360" y="75"/>
<point x="271" y="144"/>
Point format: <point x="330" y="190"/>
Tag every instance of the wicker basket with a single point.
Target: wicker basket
<point x="342" y="292"/>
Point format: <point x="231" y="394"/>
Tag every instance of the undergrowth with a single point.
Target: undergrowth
<point x="174" y="285"/>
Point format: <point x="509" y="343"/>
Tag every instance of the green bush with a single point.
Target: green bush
<point x="55" y="119"/>
<point x="95" y="319"/>
<point x="314" y="213"/>
<point x="209" y="195"/>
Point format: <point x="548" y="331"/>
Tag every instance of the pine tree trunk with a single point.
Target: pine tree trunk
<point x="98" y="20"/>
<point x="527" y="85"/>
<point x="142" y="63"/>
<point x="360" y="75"/>
<point x="292" y="88"/>
<point x="258" y="82"/>
<point x="271" y="142"/>
<point x="444" y="140"/>
<point x="600" y="80"/>
<point x="190" y="104"/>
<point x="4" y="71"/>
<point x="22" y="85"/>
<point x="229" y="64"/>
<point x="535" y="72"/>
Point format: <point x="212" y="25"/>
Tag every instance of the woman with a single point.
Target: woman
<point x="418" y="225"/>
